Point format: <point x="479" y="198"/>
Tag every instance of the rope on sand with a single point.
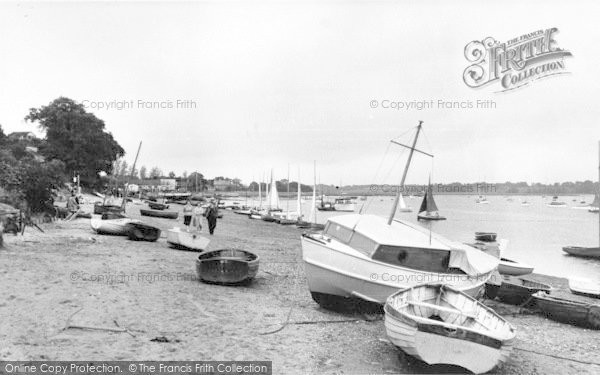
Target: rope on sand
<point x="558" y="356"/>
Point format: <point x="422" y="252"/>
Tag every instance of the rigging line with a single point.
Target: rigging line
<point x="377" y="173"/>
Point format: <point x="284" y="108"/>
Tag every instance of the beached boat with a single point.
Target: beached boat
<point x="585" y="287"/>
<point x="485" y="236"/>
<point x="356" y="254"/>
<point x="568" y="311"/>
<point x="142" y="232"/>
<point x="440" y="325"/>
<point x="227" y="266"/>
<point x="116" y="227"/>
<point x="183" y="240"/>
<point x="517" y="290"/>
<point x="513" y="268"/>
<point x="312" y="218"/>
<point x="157" y="206"/>
<point x="100" y="208"/>
<point x="113" y="215"/>
<point x="428" y="209"/>
<point x="158" y="213"/>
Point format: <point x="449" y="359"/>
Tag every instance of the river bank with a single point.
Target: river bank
<point x="70" y="273"/>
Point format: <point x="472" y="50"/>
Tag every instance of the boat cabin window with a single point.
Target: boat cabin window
<point x="430" y="260"/>
<point x="363" y="244"/>
<point x="338" y="232"/>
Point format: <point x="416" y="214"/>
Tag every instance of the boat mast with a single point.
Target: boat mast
<point x="599" y="192"/>
<point x="132" y="172"/>
<point x="412" y="150"/>
<point x="287" y="206"/>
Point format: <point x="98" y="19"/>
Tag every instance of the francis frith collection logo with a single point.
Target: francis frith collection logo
<point x="514" y="63"/>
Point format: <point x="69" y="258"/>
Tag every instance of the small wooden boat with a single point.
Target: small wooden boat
<point x="113" y="215"/>
<point x="158" y="213"/>
<point x="115" y="227"/>
<point x="182" y="240"/>
<point x="517" y="290"/>
<point x="585" y="287"/>
<point x="284" y="221"/>
<point x="157" y="206"/>
<point x="99" y="208"/>
<point x="227" y="266"/>
<point x="584" y="252"/>
<point x="441" y="325"/>
<point x="142" y="232"/>
<point x="308" y="225"/>
<point x="268" y="217"/>
<point x="485" y="236"/>
<point x="513" y="268"/>
<point x="428" y="209"/>
<point x="569" y="311"/>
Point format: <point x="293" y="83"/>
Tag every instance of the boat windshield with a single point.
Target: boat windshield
<point x="353" y="239"/>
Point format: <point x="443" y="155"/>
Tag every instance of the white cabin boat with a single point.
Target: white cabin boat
<point x="344" y="205"/>
<point x="362" y="256"/>
<point x="440" y="325"/>
<point x="184" y="240"/>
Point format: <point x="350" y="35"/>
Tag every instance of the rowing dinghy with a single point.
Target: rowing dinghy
<point x="157" y="206"/>
<point x="485" y="236"/>
<point x="142" y="232"/>
<point x="158" y="213"/>
<point x="517" y="290"/>
<point x="441" y="325"/>
<point x="569" y="311"/>
<point x="99" y="208"/>
<point x="513" y="268"/>
<point x="115" y="227"/>
<point x="585" y="287"/>
<point x="227" y="266"/>
<point x="584" y="252"/>
<point x="183" y="240"/>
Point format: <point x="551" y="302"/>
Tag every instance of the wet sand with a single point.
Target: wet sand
<point x="152" y="291"/>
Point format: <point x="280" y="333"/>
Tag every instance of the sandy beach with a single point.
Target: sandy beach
<point x="71" y="274"/>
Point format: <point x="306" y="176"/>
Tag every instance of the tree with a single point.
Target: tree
<point x="171" y="174"/>
<point x="124" y="168"/>
<point x="155" y="172"/>
<point x="143" y="172"/>
<point x="3" y="137"/>
<point x="77" y="138"/>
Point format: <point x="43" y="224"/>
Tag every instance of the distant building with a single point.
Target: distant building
<point x="22" y="136"/>
<point x="222" y="185"/>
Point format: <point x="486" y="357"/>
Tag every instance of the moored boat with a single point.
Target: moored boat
<point x="584" y="252"/>
<point x="227" y="266"/>
<point x="142" y="232"/>
<point x="568" y="311"/>
<point x="585" y="287"/>
<point x="344" y="204"/>
<point x="440" y="325"/>
<point x="513" y="268"/>
<point x="183" y="240"/>
<point x="517" y="290"/>
<point x="159" y="213"/>
<point x="429" y="210"/>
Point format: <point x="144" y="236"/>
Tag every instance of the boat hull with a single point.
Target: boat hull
<point x="115" y="227"/>
<point x="430" y="217"/>
<point x="450" y="344"/>
<point x="512" y="268"/>
<point x="189" y="241"/>
<point x="569" y="311"/>
<point x="160" y="214"/>
<point x="99" y="209"/>
<point x="585" y="288"/>
<point x="372" y="281"/>
<point x="585" y="252"/>
<point x="142" y="232"/>
<point x="227" y="266"/>
<point x="516" y="291"/>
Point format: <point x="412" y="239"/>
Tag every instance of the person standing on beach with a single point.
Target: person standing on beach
<point x="196" y="215"/>
<point x="187" y="214"/>
<point x="211" y="216"/>
<point x="72" y="206"/>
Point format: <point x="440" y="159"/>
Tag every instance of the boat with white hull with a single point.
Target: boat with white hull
<point x="361" y="256"/>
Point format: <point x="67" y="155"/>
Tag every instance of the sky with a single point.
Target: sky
<point x="275" y="84"/>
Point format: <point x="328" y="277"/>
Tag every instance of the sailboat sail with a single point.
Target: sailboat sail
<point x="273" y="195"/>
<point x="423" y="204"/>
<point x="596" y="202"/>
<point x="402" y="202"/>
<point x="431" y="206"/>
<point x="313" y="206"/>
<point x="299" y="198"/>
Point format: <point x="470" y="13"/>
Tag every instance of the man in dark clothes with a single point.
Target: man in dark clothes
<point x="211" y="216"/>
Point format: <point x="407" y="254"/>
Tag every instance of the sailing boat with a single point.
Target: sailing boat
<point x="403" y="206"/>
<point x="289" y="218"/>
<point x="257" y="213"/>
<point x="312" y="221"/>
<point x="588" y="252"/>
<point x="356" y="252"/>
<point x="429" y="210"/>
<point x="272" y="202"/>
<point x="595" y="206"/>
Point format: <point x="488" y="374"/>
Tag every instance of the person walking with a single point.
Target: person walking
<point x="187" y="214"/>
<point x="211" y="216"/>
<point x="196" y="218"/>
